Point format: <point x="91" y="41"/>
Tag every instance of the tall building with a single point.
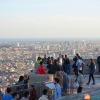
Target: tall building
<point x="48" y="47"/>
<point x="34" y="58"/>
<point x="73" y="51"/>
<point x="34" y="47"/>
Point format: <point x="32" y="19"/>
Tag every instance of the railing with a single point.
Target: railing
<point x="39" y="86"/>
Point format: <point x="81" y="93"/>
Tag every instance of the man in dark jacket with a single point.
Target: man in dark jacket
<point x="49" y="67"/>
<point x="55" y="67"/>
<point x="67" y="65"/>
<point x="98" y="62"/>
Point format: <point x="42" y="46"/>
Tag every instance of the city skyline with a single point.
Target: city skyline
<point x="49" y="19"/>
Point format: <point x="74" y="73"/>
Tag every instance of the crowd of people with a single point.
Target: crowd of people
<point x="60" y="67"/>
<point x="53" y="65"/>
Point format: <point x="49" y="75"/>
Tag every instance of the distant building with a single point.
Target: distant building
<point x="73" y="51"/>
<point x="17" y="44"/>
<point x="34" y="58"/>
<point x="48" y="47"/>
<point x="34" y="47"/>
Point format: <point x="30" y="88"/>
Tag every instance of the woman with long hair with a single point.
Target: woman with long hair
<point x="60" y="77"/>
<point x="91" y="71"/>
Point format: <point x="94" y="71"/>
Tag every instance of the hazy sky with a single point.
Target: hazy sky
<point x="49" y="18"/>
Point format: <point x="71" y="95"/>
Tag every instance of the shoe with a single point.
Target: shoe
<point x="87" y="83"/>
<point x="93" y="84"/>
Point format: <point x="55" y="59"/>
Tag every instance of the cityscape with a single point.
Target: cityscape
<point x="18" y="58"/>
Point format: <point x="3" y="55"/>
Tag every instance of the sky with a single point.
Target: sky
<point x="49" y="18"/>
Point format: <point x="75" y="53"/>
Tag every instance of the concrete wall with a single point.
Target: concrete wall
<point x="80" y="96"/>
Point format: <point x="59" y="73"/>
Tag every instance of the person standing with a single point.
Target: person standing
<point x="80" y="81"/>
<point x="44" y="96"/>
<point x="65" y="80"/>
<point x="67" y="65"/>
<point x="60" y="60"/>
<point x="60" y="77"/>
<point x="49" y="67"/>
<point x="45" y="59"/>
<point x="55" y="67"/>
<point x="98" y="62"/>
<point x="79" y="65"/>
<point x="91" y="71"/>
<point x="57" y="90"/>
<point x="74" y="66"/>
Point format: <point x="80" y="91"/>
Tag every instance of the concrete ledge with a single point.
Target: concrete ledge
<point x="80" y="96"/>
<point x="34" y="78"/>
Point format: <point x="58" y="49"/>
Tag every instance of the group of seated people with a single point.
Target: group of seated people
<point x="15" y="96"/>
<point x="27" y="94"/>
<point x="51" y="68"/>
<point x="22" y="83"/>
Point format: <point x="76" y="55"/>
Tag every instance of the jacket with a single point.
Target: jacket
<point x="80" y="80"/>
<point x="40" y="69"/>
<point x="55" y="68"/>
<point x="44" y="97"/>
<point x="57" y="92"/>
<point x="49" y="66"/>
<point x="65" y="79"/>
<point x="23" y="98"/>
<point x="92" y="67"/>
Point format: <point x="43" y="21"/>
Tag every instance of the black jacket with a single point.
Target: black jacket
<point x="92" y="67"/>
<point x="49" y="66"/>
<point x="55" y="68"/>
<point x="98" y="59"/>
<point x="67" y="61"/>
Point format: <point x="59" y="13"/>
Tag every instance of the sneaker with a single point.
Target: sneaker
<point x="87" y="83"/>
<point x="93" y="84"/>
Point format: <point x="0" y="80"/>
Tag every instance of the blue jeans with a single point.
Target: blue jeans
<point x="68" y="68"/>
<point x="83" y="72"/>
<point x="65" y="88"/>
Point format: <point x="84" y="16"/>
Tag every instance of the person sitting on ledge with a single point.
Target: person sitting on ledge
<point x="44" y="96"/>
<point x="39" y="60"/>
<point x="15" y="96"/>
<point x="26" y="95"/>
<point x="7" y="96"/>
<point x="41" y="69"/>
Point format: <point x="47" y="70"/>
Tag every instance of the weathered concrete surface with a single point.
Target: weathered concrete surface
<point x="80" y="96"/>
<point x="34" y="78"/>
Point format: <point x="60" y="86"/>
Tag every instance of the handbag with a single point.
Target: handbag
<point x="89" y="71"/>
<point x="77" y="85"/>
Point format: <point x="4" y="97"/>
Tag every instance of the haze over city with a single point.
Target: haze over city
<point x="50" y="19"/>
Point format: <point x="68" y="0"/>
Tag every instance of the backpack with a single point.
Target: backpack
<point x="33" y="94"/>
